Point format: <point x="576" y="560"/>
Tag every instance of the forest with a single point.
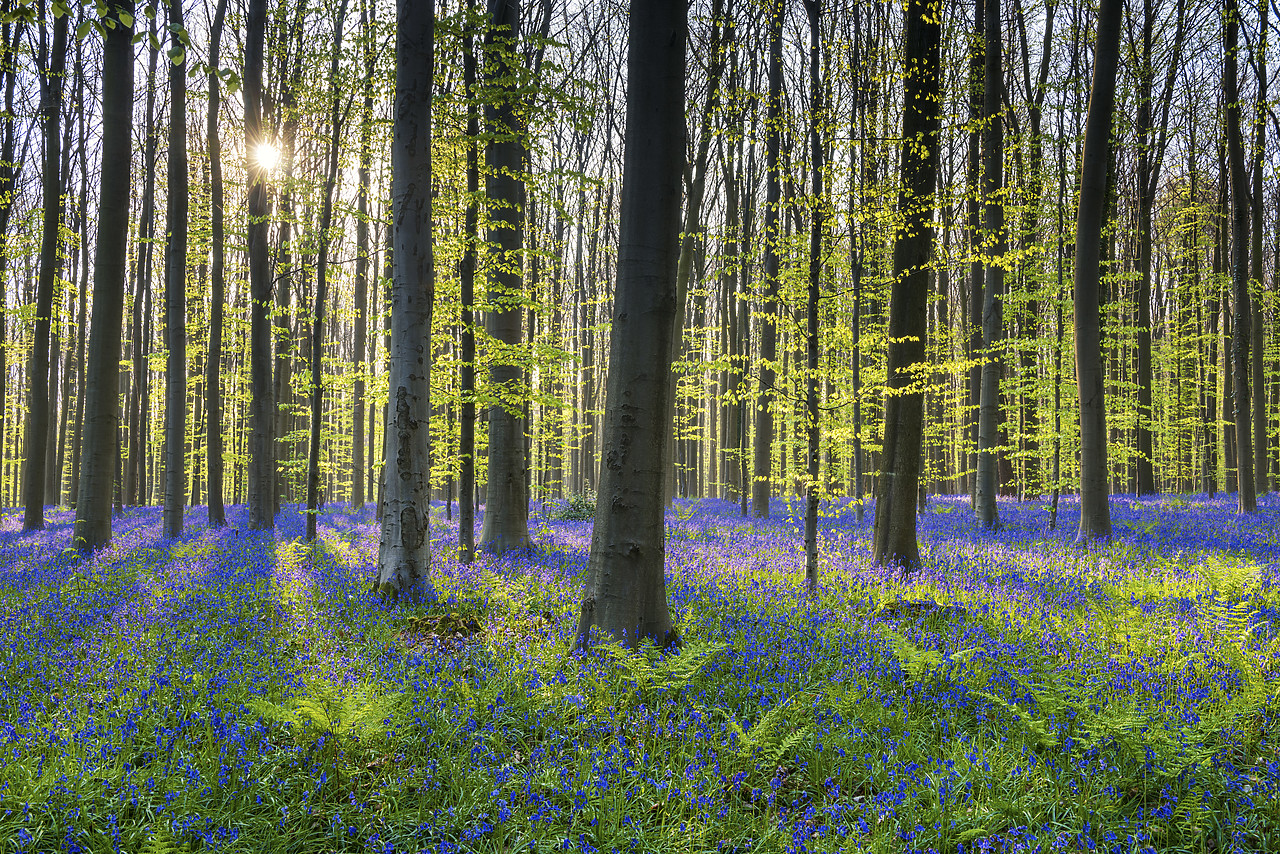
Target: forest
<point x="665" y="426"/>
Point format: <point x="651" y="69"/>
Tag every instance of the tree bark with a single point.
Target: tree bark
<point x="1241" y="321"/>
<point x="626" y="593"/>
<point x="1095" y="513"/>
<point x="506" y="515"/>
<point x="895" y="511"/>
<point x="762" y="469"/>
<point x="813" y="294"/>
<point x="996" y="243"/>
<point x="404" y="555"/>
<point x="262" y="471"/>
<point x="175" y="286"/>
<point x="38" y="398"/>
<point x="361" y="286"/>
<point x="100" y="452"/>
<point x="467" y="275"/>
<point x="322" y="282"/>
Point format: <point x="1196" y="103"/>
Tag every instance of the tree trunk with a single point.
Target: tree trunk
<point x="895" y="511"/>
<point x="506" y="515"/>
<point x="322" y="282"/>
<point x="38" y="402"/>
<point x="467" y="275"/>
<point x="1241" y="322"/>
<point x="404" y="554"/>
<point x="100" y="451"/>
<point x="1095" y="513"/>
<point x="626" y="593"/>
<point x="262" y="470"/>
<point x="973" y="340"/>
<point x="1257" y="332"/>
<point x="217" y="283"/>
<point x="817" y="144"/>
<point x="996" y="242"/>
<point x="175" y="286"/>
<point x="762" y="473"/>
<point x="364" y="187"/>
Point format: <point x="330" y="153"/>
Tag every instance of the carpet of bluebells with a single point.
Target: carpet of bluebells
<point x="242" y="691"/>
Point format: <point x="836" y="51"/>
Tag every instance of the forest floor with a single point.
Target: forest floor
<point x="235" y="691"/>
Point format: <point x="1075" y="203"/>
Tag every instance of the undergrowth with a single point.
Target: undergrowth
<point x="237" y="692"/>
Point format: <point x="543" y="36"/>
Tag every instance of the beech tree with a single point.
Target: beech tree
<point x="1095" y="513"/>
<point x="262" y="464"/>
<point x="626" y="588"/>
<point x="404" y="554"/>
<point x="101" y="448"/>
<point x="175" y="282"/>
<point x="895" y="512"/>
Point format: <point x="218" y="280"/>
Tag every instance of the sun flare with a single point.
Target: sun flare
<point x="267" y="155"/>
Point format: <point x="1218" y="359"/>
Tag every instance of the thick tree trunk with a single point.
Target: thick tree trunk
<point x="404" y="555"/>
<point x="506" y="514"/>
<point x="38" y="398"/>
<point x="175" y="287"/>
<point x="626" y="593"/>
<point x="1257" y="332"/>
<point x="100" y="453"/>
<point x="1095" y="513"/>
<point x="895" y="511"/>
<point x="262" y="467"/>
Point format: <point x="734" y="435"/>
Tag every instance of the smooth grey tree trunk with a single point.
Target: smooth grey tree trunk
<point x="1095" y="513"/>
<point x="262" y="465"/>
<point x="175" y="286"/>
<point x="895" y="511"/>
<point x="1257" y="333"/>
<point x="100" y="450"/>
<point x="506" y="514"/>
<point x="626" y="592"/>
<point x="404" y="554"/>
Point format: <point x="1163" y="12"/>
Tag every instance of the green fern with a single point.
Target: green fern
<point x="161" y="842"/>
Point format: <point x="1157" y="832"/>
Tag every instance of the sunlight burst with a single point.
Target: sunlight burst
<point x="268" y="155"/>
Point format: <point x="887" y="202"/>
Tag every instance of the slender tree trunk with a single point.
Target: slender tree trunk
<point x="626" y="594"/>
<point x="1257" y="331"/>
<point x="1095" y="513"/>
<point x="997" y="244"/>
<point x="762" y="473"/>
<point x="262" y="469"/>
<point x="404" y="555"/>
<point x="10" y="172"/>
<point x="38" y="398"/>
<point x="895" y="511"/>
<point x="322" y="282"/>
<point x="977" y="61"/>
<point x="817" y="146"/>
<point x="364" y="187"/>
<point x="1241" y="322"/>
<point x="100" y="454"/>
<point x="217" y="282"/>
<point x="467" y="275"/>
<point x="175" y="286"/>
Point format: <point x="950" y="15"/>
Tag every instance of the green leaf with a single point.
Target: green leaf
<point x="83" y="29"/>
<point x="126" y="18"/>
